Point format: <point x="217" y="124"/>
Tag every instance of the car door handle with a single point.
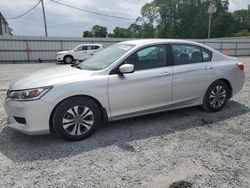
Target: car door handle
<point x="208" y="67"/>
<point x="165" y="74"/>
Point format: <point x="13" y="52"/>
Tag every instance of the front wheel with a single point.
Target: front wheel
<point x="68" y="59"/>
<point x="216" y="96"/>
<point x="76" y="118"/>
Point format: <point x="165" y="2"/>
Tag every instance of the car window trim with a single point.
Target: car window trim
<point x="197" y="46"/>
<point x="209" y="53"/>
<point x="167" y="59"/>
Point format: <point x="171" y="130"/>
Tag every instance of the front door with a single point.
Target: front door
<point x="148" y="88"/>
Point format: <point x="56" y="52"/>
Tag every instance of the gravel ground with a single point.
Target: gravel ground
<point x="203" y="149"/>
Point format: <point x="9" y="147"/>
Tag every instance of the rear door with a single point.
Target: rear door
<point x="192" y="73"/>
<point x="94" y="49"/>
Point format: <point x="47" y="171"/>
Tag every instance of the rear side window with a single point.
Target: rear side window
<point x="89" y="47"/>
<point x="207" y="55"/>
<point x="189" y="54"/>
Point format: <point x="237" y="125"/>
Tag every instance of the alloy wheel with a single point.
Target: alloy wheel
<point x="218" y="96"/>
<point x="78" y="120"/>
<point x="68" y="60"/>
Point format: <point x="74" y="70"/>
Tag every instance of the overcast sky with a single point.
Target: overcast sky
<point x="64" y="21"/>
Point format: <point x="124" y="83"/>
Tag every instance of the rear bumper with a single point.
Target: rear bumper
<point x="238" y="83"/>
<point x="30" y="117"/>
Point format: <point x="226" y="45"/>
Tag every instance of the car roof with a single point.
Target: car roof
<point x="90" y="44"/>
<point x="152" y="41"/>
<point x="141" y="42"/>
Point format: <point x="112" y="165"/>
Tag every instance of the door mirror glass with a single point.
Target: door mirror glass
<point x="126" y="68"/>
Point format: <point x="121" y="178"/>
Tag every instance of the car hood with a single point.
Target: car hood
<point x="64" y="52"/>
<point x="51" y="76"/>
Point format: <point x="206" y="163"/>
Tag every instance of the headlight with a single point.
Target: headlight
<point x="28" y="94"/>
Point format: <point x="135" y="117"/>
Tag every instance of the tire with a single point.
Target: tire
<point x="76" y="118"/>
<point x="68" y="59"/>
<point x="216" y="96"/>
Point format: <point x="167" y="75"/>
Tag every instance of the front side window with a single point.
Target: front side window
<point x="95" y="47"/>
<point x="81" y="48"/>
<point x="188" y="54"/>
<point x="149" y="57"/>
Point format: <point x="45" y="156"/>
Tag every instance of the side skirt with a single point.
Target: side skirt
<point x="185" y="104"/>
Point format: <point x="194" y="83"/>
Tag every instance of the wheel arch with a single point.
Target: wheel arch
<point x="227" y="82"/>
<point x="69" y="56"/>
<point x="103" y="111"/>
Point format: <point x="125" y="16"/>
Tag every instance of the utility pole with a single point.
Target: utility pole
<point x="44" y="19"/>
<point x="211" y="10"/>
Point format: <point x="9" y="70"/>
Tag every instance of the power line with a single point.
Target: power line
<point x="92" y="12"/>
<point x="25" y="12"/>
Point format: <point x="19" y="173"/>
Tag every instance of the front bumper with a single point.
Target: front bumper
<point x="59" y="58"/>
<point x="35" y="113"/>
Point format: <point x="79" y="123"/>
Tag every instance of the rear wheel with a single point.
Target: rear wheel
<point x="76" y="118"/>
<point x="216" y="96"/>
<point x="68" y="59"/>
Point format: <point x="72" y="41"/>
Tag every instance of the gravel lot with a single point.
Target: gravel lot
<point x="204" y="149"/>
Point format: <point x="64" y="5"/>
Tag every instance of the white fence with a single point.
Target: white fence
<point x="19" y="49"/>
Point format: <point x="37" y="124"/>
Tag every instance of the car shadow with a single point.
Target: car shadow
<point x="21" y="148"/>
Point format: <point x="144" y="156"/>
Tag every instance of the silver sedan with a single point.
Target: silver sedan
<point x="125" y="80"/>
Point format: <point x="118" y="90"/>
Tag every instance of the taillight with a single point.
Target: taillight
<point x="241" y="66"/>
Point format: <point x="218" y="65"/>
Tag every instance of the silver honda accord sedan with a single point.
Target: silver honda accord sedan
<point x="125" y="80"/>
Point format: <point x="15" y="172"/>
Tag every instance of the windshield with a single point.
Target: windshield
<point x="78" y="48"/>
<point x="106" y="57"/>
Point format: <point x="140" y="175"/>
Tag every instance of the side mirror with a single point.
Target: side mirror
<point x="126" y="68"/>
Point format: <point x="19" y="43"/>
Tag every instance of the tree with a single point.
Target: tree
<point x="135" y="30"/>
<point x="110" y="35"/>
<point x="242" y="33"/>
<point x="149" y="16"/>
<point x="99" y="31"/>
<point x="182" y="19"/>
<point x="87" y="34"/>
<point x="242" y="17"/>
<point x="149" y="13"/>
<point x="224" y="25"/>
<point x="121" y="33"/>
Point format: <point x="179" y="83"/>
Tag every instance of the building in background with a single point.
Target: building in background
<point x="4" y="26"/>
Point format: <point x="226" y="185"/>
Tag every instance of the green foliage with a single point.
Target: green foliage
<point x="121" y="33"/>
<point x="87" y="34"/>
<point x="149" y="13"/>
<point x="135" y="30"/>
<point x="242" y="33"/>
<point x="96" y="31"/>
<point x="182" y="19"/>
<point x="99" y="31"/>
<point x="224" y="25"/>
